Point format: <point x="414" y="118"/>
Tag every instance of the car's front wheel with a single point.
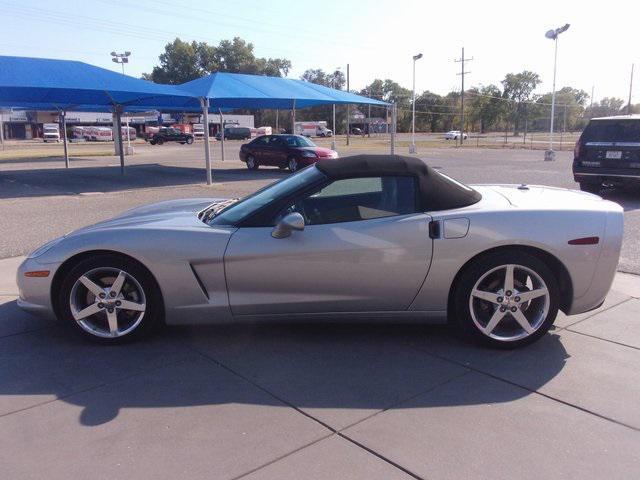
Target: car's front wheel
<point x="189" y="140"/>
<point x="159" y="141"/>
<point x="252" y="164"/>
<point x="109" y="298"/>
<point x="292" y="164"/>
<point x="506" y="300"/>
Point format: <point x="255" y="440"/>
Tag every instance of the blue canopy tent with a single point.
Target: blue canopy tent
<point x="46" y="84"/>
<point x="62" y="85"/>
<point x="236" y="90"/>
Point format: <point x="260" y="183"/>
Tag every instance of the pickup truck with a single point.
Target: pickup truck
<point x="167" y="134"/>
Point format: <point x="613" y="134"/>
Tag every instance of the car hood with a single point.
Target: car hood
<point x="321" y="151"/>
<point x="168" y="214"/>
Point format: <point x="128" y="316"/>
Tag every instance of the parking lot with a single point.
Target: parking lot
<point x="60" y="200"/>
<point x="313" y="401"/>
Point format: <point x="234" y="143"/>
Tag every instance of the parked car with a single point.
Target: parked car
<point x="370" y="236"/>
<point x="454" y="135"/>
<point x="235" y="133"/>
<point x="356" y="131"/>
<point x="283" y="151"/>
<point x="168" y="134"/>
<point x="608" y="153"/>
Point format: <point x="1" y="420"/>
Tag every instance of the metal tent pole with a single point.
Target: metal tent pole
<point x="293" y="118"/>
<point x="63" y="114"/>
<point x="1" y="129"/>
<point x="118" y="112"/>
<point x="393" y="128"/>
<point x="277" y="121"/>
<point x="207" y="151"/>
<point x="222" y="133"/>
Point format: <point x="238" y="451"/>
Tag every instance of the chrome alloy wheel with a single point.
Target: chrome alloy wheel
<point x="251" y="162"/>
<point x="107" y="302"/>
<point x="509" y="302"/>
<point x="293" y="164"/>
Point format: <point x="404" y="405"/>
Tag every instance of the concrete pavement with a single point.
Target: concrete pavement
<point x="278" y="401"/>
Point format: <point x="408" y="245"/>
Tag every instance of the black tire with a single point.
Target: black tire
<point x="591" y="187"/>
<point x="461" y="304"/>
<point x="153" y="316"/>
<point x="152" y="142"/>
<point x="159" y="141"/>
<point x="292" y="164"/>
<point x="189" y="140"/>
<point x="252" y="163"/>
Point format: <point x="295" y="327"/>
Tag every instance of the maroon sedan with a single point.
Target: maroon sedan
<point x="283" y="151"/>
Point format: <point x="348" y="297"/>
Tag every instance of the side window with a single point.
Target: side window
<point x="261" y="141"/>
<point x="356" y="199"/>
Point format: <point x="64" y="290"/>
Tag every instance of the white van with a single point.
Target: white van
<point x="51" y="132"/>
<point x="198" y="130"/>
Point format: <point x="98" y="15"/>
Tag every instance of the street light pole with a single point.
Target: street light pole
<point x="123" y="58"/>
<point x="412" y="148"/>
<point x="550" y="155"/>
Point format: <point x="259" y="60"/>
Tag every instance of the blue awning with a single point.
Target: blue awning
<point x="237" y="90"/>
<point x="46" y="84"/>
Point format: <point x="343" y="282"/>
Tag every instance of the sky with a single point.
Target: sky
<point x="376" y="38"/>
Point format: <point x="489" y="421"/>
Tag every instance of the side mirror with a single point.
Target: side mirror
<point x="292" y="221"/>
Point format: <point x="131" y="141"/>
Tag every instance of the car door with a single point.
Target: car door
<point x="365" y="247"/>
<point x="259" y="147"/>
<point x="277" y="152"/>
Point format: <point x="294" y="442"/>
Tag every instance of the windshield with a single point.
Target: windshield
<point x="236" y="212"/>
<point x="612" y="131"/>
<point x="294" y="141"/>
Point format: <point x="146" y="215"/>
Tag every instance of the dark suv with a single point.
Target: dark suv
<point x="608" y="153"/>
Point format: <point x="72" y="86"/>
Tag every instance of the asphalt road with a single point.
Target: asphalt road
<point x="40" y="200"/>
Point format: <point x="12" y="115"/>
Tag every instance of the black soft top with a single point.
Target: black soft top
<point x="437" y="192"/>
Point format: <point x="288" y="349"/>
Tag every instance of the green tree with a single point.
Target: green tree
<point x="324" y="112"/>
<point x="518" y="87"/>
<point x="184" y="61"/>
<point x="606" y="107"/>
<point x="486" y="107"/>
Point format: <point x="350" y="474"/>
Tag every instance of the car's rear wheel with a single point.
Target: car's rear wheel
<point x="189" y="140"/>
<point x="152" y="142"/>
<point x="109" y="299"/>
<point x="506" y="300"/>
<point x="252" y="164"/>
<point x="292" y="164"/>
<point x="591" y="187"/>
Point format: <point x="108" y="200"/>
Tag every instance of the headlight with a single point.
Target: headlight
<point x="309" y="154"/>
<point x="45" y="248"/>
<point x="587" y="163"/>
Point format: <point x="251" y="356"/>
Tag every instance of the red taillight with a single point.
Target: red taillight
<point x="576" y="150"/>
<point x="585" y="241"/>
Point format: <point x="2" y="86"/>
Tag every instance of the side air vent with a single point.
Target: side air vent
<point x="202" y="287"/>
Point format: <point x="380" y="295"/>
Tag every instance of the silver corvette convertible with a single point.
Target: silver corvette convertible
<point x="361" y="238"/>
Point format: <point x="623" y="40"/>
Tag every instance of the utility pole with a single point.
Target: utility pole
<point x="591" y="104"/>
<point x="630" y="91"/>
<point x="462" y="73"/>
<point x="348" y="109"/>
